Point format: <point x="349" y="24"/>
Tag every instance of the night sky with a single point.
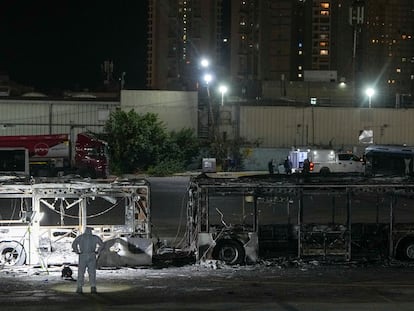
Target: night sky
<point x="61" y="44"/>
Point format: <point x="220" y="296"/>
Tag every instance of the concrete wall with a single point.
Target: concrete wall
<point x="48" y="116"/>
<point x="284" y="127"/>
<point x="176" y="109"/>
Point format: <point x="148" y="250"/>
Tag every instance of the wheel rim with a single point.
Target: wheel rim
<point x="9" y="256"/>
<point x="12" y="254"/>
<point x="228" y="254"/>
<point x="410" y="251"/>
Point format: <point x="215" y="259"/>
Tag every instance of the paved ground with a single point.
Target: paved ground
<point x="269" y="286"/>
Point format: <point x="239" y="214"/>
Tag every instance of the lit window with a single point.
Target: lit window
<point x="299" y="67"/>
<point x="324" y="52"/>
<point x="404" y="37"/>
<point x="325" y="5"/>
<point x="299" y="75"/>
<point x="324" y="13"/>
<point x="300" y="44"/>
<point x="243" y="37"/>
<point x="300" y="52"/>
<point x="398" y="70"/>
<point x="323" y="43"/>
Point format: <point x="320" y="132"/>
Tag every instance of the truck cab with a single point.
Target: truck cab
<point x="91" y="156"/>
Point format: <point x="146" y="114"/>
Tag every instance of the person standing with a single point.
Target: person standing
<point x="271" y="167"/>
<point x="87" y="245"/>
<point x="306" y="167"/>
<point x="288" y="166"/>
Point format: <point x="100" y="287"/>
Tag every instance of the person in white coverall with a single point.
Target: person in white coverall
<point x="87" y="245"/>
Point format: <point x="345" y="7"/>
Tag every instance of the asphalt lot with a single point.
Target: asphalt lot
<point x="291" y="286"/>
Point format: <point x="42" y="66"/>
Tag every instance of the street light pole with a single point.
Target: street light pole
<point x="207" y="79"/>
<point x="223" y="90"/>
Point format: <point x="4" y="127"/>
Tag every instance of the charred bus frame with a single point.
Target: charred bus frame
<point x="40" y="220"/>
<point x="239" y="220"/>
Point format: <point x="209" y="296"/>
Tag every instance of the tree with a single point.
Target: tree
<point x="180" y="151"/>
<point x="185" y="145"/>
<point x="135" y="141"/>
<point x="141" y="143"/>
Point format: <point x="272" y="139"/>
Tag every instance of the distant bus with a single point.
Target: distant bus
<point x="389" y="160"/>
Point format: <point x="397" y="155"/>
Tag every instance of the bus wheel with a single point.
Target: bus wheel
<point x="12" y="254"/>
<point x="407" y="250"/>
<point x="229" y="251"/>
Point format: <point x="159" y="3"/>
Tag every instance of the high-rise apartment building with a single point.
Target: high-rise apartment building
<point x="387" y="49"/>
<point x="180" y="33"/>
<point x="280" y="40"/>
<point x="362" y="42"/>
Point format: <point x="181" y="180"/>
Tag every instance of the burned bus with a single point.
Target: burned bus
<point x="38" y="221"/>
<point x="340" y="217"/>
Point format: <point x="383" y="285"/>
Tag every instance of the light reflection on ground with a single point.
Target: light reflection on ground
<point x="71" y="288"/>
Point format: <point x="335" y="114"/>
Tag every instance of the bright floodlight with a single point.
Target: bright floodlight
<point x="370" y="92"/>
<point x="223" y="89"/>
<point x="204" y="63"/>
<point x="207" y="78"/>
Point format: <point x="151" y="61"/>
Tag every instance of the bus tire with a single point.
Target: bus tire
<point x="229" y="251"/>
<point x="406" y="250"/>
<point x="12" y="253"/>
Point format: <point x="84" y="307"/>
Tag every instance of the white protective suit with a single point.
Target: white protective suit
<point x="87" y="245"/>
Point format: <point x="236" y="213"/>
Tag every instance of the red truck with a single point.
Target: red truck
<point x="52" y="155"/>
